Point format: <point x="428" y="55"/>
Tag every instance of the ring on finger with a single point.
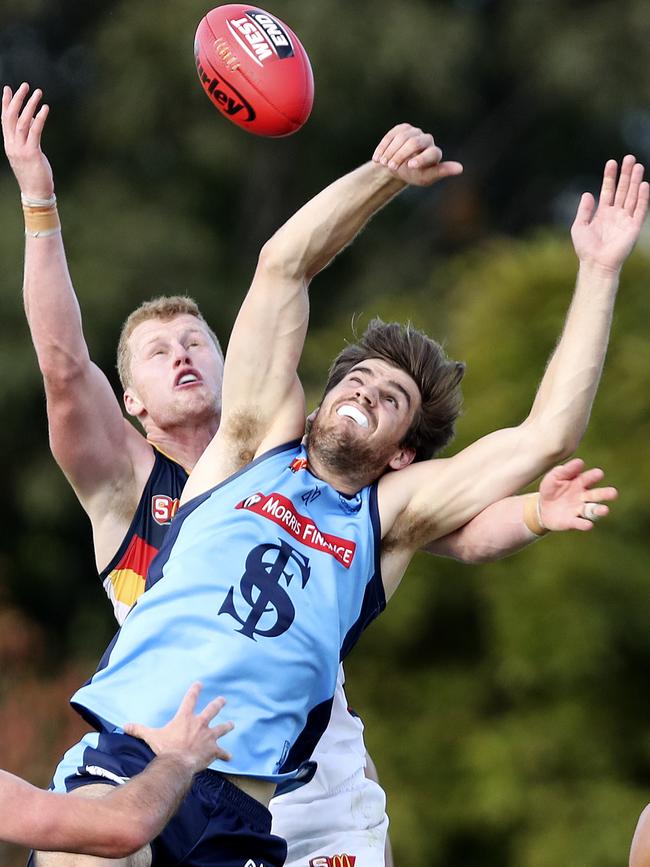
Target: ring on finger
<point x="589" y="511"/>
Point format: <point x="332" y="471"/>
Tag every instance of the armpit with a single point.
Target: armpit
<point x="410" y="532"/>
<point x="243" y="431"/>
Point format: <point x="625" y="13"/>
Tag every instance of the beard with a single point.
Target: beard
<point x="342" y="452"/>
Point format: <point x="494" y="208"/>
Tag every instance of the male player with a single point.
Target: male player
<point x="122" y="821"/>
<point x="168" y="339"/>
<point x="283" y="550"/>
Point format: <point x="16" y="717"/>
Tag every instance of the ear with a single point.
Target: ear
<point x="132" y="403"/>
<point x="402" y="459"/>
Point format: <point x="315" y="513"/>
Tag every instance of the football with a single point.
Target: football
<point x="254" y="69"/>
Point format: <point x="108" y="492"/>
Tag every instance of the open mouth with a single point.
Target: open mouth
<point x="350" y="411"/>
<point x="188" y="379"/>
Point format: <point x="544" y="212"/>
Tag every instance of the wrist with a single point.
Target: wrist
<point x="598" y="271"/>
<point x="533" y="515"/>
<point x="37" y="201"/>
<point x="182" y="762"/>
<point x="387" y="177"/>
<point x="41" y="216"/>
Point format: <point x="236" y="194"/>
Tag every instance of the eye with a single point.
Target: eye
<point x="356" y="379"/>
<point x="390" y="399"/>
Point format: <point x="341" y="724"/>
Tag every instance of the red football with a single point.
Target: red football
<point x="254" y="69"/>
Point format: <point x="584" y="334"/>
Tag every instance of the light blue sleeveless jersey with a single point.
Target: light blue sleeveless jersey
<point x="262" y="585"/>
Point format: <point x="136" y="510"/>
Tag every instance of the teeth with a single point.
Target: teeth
<point x="189" y="377"/>
<point x="352" y="412"/>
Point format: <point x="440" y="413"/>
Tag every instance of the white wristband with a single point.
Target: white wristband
<point x="29" y="202"/>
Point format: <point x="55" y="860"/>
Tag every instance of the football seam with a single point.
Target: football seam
<point x="261" y="95"/>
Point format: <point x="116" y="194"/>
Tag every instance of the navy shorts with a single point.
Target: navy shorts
<point x="217" y="824"/>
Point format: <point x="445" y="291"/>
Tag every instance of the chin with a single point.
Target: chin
<point x="344" y="449"/>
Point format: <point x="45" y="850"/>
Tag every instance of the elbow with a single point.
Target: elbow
<point x="61" y="369"/>
<point x="552" y="444"/>
<point x="127" y="841"/>
<point x="280" y="262"/>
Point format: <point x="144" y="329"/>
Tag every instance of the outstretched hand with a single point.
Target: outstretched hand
<point x="413" y="156"/>
<point x="22" y="127"/>
<point x="568" y="499"/>
<point x="605" y="235"/>
<point x="188" y="735"/>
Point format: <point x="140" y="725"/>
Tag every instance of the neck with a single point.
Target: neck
<point x="184" y="444"/>
<point x="343" y="480"/>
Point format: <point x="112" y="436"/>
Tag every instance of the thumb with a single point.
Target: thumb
<point x="136" y="730"/>
<point x="585" y="210"/>
<point x="569" y="470"/>
<point x="450" y="168"/>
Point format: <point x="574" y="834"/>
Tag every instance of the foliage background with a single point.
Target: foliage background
<point x="506" y="704"/>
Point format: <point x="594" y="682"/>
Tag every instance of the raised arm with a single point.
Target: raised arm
<point x="640" y="849"/>
<point x="89" y="437"/>
<point x="129" y="816"/>
<point x="439" y="496"/>
<point x="263" y="402"/>
<point x="567" y="500"/>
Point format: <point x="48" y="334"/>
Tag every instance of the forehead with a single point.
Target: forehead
<point x="152" y="329"/>
<point x="382" y="373"/>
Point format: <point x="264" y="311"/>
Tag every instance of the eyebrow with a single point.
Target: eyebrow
<point x="391" y="382"/>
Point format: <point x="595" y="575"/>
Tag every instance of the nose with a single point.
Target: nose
<point x="181" y="355"/>
<point x="366" y="394"/>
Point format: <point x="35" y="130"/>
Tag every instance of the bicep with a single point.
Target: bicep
<point x="264" y="350"/>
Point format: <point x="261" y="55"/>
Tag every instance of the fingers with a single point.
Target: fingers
<point x="21" y="122"/>
<point x="211" y="709"/>
<point x="218" y="732"/>
<point x="641" y="208"/>
<point x="598" y="494"/>
<point x="591" y="477"/>
<point x="634" y="185"/>
<point x="608" y="188"/>
<point x="380" y="151"/>
<point x="624" y="180"/>
<point x="26" y="116"/>
<point x="570" y="470"/>
<point x="12" y="106"/>
<point x="36" y="129"/>
<point x="222" y="754"/>
<point x="187" y="705"/>
<point x="405" y="142"/>
<point x="593" y="511"/>
<point x="7" y="96"/>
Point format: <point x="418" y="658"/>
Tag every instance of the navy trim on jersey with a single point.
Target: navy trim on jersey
<point x="374" y="598"/>
<point x="304" y="745"/>
<point x="156" y="568"/>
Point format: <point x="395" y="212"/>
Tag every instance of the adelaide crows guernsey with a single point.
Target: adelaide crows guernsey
<point x="124" y="577"/>
<point x="261" y="586"/>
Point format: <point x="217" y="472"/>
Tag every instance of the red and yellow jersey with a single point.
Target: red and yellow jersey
<point x="124" y="577"/>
